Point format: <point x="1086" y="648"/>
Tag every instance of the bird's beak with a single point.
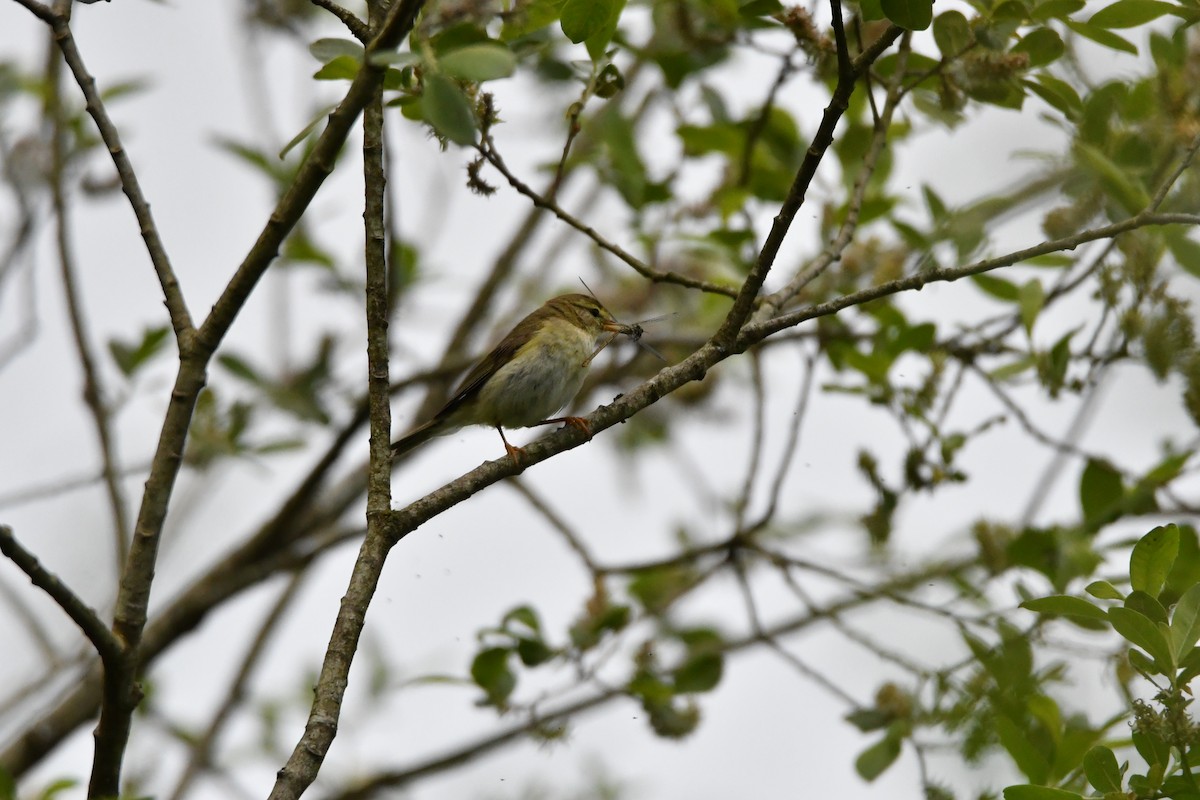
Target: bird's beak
<point x="614" y="327"/>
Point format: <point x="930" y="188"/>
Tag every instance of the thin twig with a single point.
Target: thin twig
<point x="80" y="612"/>
<point x="181" y="319"/>
<point x="487" y="149"/>
<point x="93" y="392"/>
<point x="556" y="521"/>
<point x="202" y="747"/>
<point x="356" y="26"/>
<point x="848" y="74"/>
<point x="858" y="194"/>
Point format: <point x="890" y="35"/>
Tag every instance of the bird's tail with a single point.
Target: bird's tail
<point x="419" y="436"/>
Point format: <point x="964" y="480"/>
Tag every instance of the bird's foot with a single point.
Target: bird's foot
<point x="580" y="424"/>
<point x="514" y="453"/>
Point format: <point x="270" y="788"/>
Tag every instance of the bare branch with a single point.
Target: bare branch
<point x="356" y="26"/>
<point x="181" y="319"/>
<point x="487" y="149"/>
<point x="80" y="613"/>
<point x="93" y="392"/>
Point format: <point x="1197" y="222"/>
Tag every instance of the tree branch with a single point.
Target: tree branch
<point x="80" y="612"/>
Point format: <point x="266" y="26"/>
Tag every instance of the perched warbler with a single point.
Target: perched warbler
<point x="533" y="372"/>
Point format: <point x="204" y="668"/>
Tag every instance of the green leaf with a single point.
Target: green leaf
<point x="1117" y="182"/>
<point x="326" y="50"/>
<point x="132" y="357"/>
<point x="1147" y="606"/>
<point x="875" y="760"/>
<point x="447" y="109"/>
<point x="869" y="719"/>
<point x="1029" y="758"/>
<point x="1103" y="590"/>
<point x="526" y="18"/>
<point x="701" y="673"/>
<point x="1102" y="36"/>
<point x="1100" y="493"/>
<point x="342" y="68"/>
<point x="1029" y="792"/>
<point x="1043" y="46"/>
<point x="1152" y="558"/>
<point x="760" y="8"/>
<point x="479" y="62"/>
<point x="952" y="33"/>
<point x="915" y="15"/>
<point x="1058" y="93"/>
<point x="1185" y="622"/>
<point x="1130" y="13"/>
<point x="490" y="672"/>
<point x="305" y="131"/>
<point x="1031" y="300"/>
<point x="1013" y="369"/>
<point x="1151" y="748"/>
<point x="533" y="652"/>
<point x="1065" y="605"/>
<point x="241" y="368"/>
<point x="582" y="19"/>
<point x="1140" y="630"/>
<point x="1100" y="766"/>
<point x="1056" y="9"/>
<point x="997" y="287"/>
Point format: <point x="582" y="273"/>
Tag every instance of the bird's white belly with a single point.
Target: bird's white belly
<point x="531" y="388"/>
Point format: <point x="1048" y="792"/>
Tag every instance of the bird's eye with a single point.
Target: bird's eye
<point x="595" y="312"/>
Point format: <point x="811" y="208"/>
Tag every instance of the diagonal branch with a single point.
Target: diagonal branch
<point x="181" y="319"/>
<point x="80" y="612"/>
<point x="849" y="72"/>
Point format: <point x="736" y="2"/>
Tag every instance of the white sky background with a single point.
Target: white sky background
<point x="766" y="732"/>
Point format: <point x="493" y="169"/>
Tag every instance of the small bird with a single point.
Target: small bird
<point x="533" y="372"/>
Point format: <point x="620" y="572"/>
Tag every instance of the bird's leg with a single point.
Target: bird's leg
<point x="514" y="453"/>
<point x="578" y="423"/>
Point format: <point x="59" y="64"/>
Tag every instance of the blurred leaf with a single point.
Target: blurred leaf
<point x="997" y="287"/>
<point x="1031" y="300"/>
<point x="342" y="68"/>
<point x="869" y="719"/>
<point x="525" y="18"/>
<point x="915" y="15"/>
<point x="326" y="50"/>
<point x="1028" y="792"/>
<point x="1057" y="93"/>
<point x="447" y="109"/>
<point x="1056" y="9"/>
<point x="875" y="760"/>
<point x="1029" y="758"/>
<point x="490" y="672"/>
<point x="132" y="357"/>
<point x="952" y="33"/>
<point x="1065" y="605"/>
<point x="533" y="652"/>
<point x="582" y="19"/>
<point x="306" y="130"/>
<point x="240" y="368"/>
<point x="655" y="589"/>
<point x="700" y="673"/>
<point x="1100" y="493"/>
<point x="1102" y="36"/>
<point x="480" y="62"/>
<point x="1130" y="13"/>
<point x="1043" y="46"/>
